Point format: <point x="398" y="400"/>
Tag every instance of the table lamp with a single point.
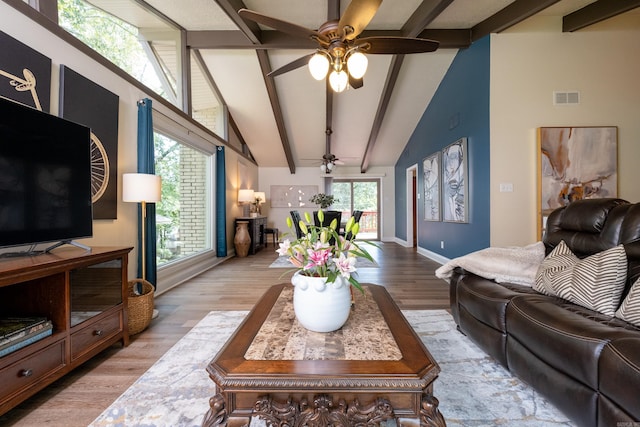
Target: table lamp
<point x="245" y="198"/>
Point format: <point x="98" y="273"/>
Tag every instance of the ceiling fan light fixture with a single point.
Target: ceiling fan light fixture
<point x="323" y="168"/>
<point x="318" y="66"/>
<point x="338" y="80"/>
<point x="330" y="166"/>
<point x="357" y="64"/>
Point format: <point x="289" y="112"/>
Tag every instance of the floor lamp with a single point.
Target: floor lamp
<point x="142" y="188"/>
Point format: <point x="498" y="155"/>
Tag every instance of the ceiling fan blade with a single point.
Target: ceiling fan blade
<point x="300" y="62"/>
<point x="396" y="45"/>
<point x="280" y="25"/>
<point x="357" y="16"/>
<point x="356" y="83"/>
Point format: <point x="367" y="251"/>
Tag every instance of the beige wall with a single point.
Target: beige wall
<point x="528" y="63"/>
<point x="313" y="176"/>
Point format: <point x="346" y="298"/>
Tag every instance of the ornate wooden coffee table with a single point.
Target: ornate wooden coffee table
<point x="374" y="369"/>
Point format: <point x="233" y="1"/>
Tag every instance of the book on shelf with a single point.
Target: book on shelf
<point x="14" y="328"/>
<point x="25" y="341"/>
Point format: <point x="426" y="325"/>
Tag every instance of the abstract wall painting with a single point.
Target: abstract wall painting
<point x="292" y="196"/>
<point x="454" y="182"/>
<point x="575" y="163"/>
<point x="431" y="185"/>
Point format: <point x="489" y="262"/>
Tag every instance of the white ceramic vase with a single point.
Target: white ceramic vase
<point x="320" y="306"/>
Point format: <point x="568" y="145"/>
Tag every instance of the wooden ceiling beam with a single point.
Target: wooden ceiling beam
<point x="596" y="12"/>
<point x="389" y="84"/>
<point x="423" y="15"/>
<point x="509" y="16"/>
<point x="265" y="66"/>
<point x="253" y="34"/>
<point x="419" y="19"/>
<point x="249" y="28"/>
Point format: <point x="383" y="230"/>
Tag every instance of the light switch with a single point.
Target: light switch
<point x="506" y="187"/>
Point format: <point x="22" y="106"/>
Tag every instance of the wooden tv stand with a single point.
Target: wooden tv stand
<point x="83" y="293"/>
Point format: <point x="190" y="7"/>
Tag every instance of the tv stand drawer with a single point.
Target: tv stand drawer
<point x="91" y="336"/>
<point x="31" y="369"/>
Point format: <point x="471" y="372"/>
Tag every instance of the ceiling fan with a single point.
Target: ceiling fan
<point x="340" y="49"/>
<point x="328" y="163"/>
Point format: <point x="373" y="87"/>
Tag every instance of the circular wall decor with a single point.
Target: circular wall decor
<point x="99" y="168"/>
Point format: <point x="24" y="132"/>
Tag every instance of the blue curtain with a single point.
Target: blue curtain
<point x="146" y="164"/>
<point x="221" y="204"/>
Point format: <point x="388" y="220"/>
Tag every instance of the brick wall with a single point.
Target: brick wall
<point x="193" y="200"/>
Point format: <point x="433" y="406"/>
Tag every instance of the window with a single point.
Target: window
<point x="183" y="216"/>
<point x="151" y="63"/>
<point x="362" y="195"/>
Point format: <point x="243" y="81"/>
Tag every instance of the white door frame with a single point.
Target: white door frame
<point x="411" y="170"/>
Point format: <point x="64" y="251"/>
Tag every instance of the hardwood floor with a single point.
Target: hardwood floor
<point x="78" y="398"/>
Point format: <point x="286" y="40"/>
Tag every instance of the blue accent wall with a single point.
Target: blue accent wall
<point x="459" y="108"/>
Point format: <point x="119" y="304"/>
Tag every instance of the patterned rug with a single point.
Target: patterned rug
<point x="283" y="262"/>
<point x="473" y="390"/>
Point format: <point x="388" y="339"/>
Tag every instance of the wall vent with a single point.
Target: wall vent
<point x="566" y="98"/>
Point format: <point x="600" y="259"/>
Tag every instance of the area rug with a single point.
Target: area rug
<point x="473" y="390"/>
<point x="283" y="262"/>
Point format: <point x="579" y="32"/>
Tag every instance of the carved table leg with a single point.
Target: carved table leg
<point x="430" y="416"/>
<point x="217" y="413"/>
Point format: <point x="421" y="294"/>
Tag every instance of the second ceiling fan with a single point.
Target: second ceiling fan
<point x="340" y="54"/>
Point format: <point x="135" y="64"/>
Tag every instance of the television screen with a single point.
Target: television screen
<point x="45" y="177"/>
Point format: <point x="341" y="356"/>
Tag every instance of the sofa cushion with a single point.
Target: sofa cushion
<point x="619" y="376"/>
<point x="595" y="282"/>
<point x="630" y="308"/>
<point x="564" y="335"/>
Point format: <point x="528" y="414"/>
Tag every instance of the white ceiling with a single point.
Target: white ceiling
<point x="301" y="99"/>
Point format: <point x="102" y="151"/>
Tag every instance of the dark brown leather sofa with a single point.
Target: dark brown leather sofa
<point x="586" y="363"/>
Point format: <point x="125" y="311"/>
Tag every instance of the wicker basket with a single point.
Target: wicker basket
<point x="140" y="306"/>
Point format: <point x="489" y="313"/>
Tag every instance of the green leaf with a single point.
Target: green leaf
<point x="356" y="284"/>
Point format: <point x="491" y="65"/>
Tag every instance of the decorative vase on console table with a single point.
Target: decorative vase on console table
<point x="320" y="306"/>
<point x="242" y="240"/>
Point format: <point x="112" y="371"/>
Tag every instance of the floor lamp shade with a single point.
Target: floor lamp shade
<point x="141" y="187"/>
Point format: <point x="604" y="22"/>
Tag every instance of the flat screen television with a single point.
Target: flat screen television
<point x="45" y="177"/>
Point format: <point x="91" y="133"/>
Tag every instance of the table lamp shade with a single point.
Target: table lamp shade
<point x="141" y="187"/>
<point x="246" y="196"/>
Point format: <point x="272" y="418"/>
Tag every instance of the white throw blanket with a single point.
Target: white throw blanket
<point x="517" y="265"/>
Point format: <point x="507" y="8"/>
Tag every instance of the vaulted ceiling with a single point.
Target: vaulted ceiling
<point x="291" y="120"/>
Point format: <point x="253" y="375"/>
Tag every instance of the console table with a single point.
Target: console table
<point x="83" y="293"/>
<point x="257" y="226"/>
<point x="342" y="379"/>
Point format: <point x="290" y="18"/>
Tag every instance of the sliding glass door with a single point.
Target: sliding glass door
<point x="362" y="195"/>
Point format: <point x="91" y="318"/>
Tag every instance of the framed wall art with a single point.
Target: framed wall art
<point x="25" y="74"/>
<point x="431" y="183"/>
<point x="292" y="196"/>
<point x="575" y="163"/>
<point x="454" y="182"/>
<point x="89" y="104"/>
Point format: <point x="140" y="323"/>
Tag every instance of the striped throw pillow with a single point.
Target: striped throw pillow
<point x="595" y="282"/>
<point x="560" y="259"/>
<point x="629" y="311"/>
